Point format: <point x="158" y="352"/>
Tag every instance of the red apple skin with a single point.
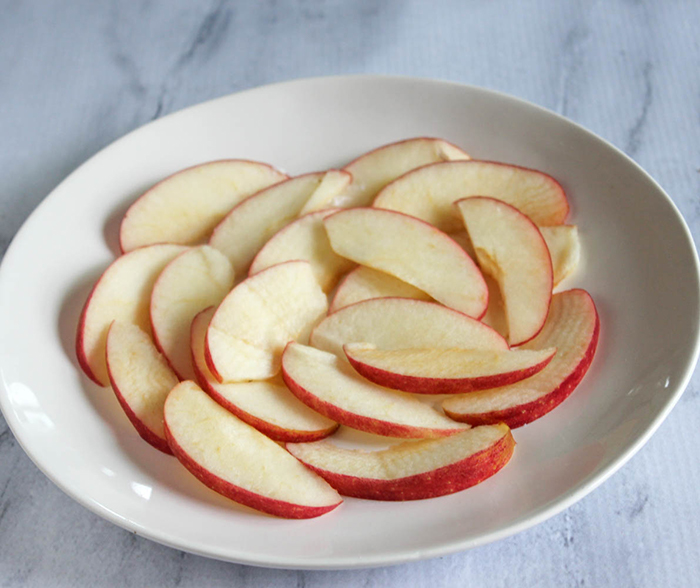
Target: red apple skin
<point x="395" y="143"/>
<point x="210" y="364"/>
<point x="121" y="246"/>
<point x="79" y="342"/>
<point x="278" y="508"/>
<point x="360" y="422"/>
<point x="446" y="480"/>
<point x="146" y="434"/>
<point x="421" y="385"/>
<point x="520" y="415"/>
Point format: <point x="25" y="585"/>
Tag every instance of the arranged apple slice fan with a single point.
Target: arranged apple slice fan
<point x="409" y="295"/>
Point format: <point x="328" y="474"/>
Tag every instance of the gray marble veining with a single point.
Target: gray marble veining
<point x="76" y="75"/>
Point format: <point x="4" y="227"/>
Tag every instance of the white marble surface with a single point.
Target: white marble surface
<point x="76" y="75"/>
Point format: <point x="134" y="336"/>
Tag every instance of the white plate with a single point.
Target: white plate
<point x="640" y="266"/>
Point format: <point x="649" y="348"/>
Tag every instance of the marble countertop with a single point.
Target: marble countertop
<point x="76" y="75"/>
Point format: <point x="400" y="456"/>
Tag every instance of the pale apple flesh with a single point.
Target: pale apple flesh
<point x="510" y="248"/>
<point x="413" y="251"/>
<point x="249" y="225"/>
<point x="305" y="239"/>
<point x="572" y="327"/>
<point x="329" y="193"/>
<point x="429" y="192"/>
<point x="237" y="461"/>
<point x="400" y="323"/>
<point x="375" y="169"/>
<point x="445" y="371"/>
<point x="141" y="380"/>
<point x="564" y="248"/>
<point x="193" y="281"/>
<point x="122" y="293"/>
<point x="412" y="470"/>
<point x="185" y="207"/>
<point x="251" y="326"/>
<point x="365" y="283"/>
<point x="266" y="405"/>
<point x="332" y="388"/>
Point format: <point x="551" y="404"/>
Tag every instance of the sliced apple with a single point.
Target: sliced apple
<point x="400" y="323"/>
<point x="123" y="293"/>
<point x="330" y="193"/>
<point x="573" y="328"/>
<point x="365" y="283"/>
<point x="305" y="239"/>
<point x="244" y="230"/>
<point x="193" y="281"/>
<point x="429" y="192"/>
<point x="255" y="321"/>
<point x="445" y="371"/>
<point x="511" y="249"/>
<point x="141" y="379"/>
<point x="267" y="405"/>
<point x="412" y="251"/>
<point x="564" y="248"/>
<point x="412" y="470"/>
<point x="186" y="206"/>
<point x="332" y="388"/>
<point x="375" y="169"/>
<point x="237" y="461"/>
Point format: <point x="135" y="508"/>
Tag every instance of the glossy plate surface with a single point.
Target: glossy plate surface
<point x="639" y="263"/>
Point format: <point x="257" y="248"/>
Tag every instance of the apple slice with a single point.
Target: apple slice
<point x="332" y="388"/>
<point x="255" y="321"/>
<point x="375" y="169"/>
<point x="329" y="193"/>
<point x="401" y="323"/>
<point x="412" y="251"/>
<point x="429" y="192"/>
<point x="123" y="293"/>
<point x="186" y="206"/>
<point x="365" y="283"/>
<point x="510" y="248"/>
<point x="268" y="405"/>
<point x="412" y="470"/>
<point x="445" y="371"/>
<point x="305" y="239"/>
<point x="243" y="232"/>
<point x="237" y="461"/>
<point x="564" y="248"/>
<point x="141" y="379"/>
<point x="573" y="328"/>
<point x="193" y="281"/>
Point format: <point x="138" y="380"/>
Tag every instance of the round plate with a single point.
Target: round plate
<point x="639" y="263"/>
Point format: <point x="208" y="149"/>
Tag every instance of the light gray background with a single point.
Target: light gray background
<point x="76" y="75"/>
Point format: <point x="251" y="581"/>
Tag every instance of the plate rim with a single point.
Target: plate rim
<point x="335" y="562"/>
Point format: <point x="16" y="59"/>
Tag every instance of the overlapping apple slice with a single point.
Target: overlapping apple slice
<point x="193" y="281"/>
<point x="573" y="328"/>
<point x="237" y="461"/>
<point x="186" y="206"/>
<point x="266" y="405"/>
<point x="429" y="192"/>
<point x="123" y="292"/>
<point x="365" y="283"/>
<point x="305" y="239"/>
<point x="401" y="323"/>
<point x="564" y="248"/>
<point x="413" y="251"/>
<point x="331" y="387"/>
<point x="511" y="249"/>
<point x="375" y="169"/>
<point x="445" y="371"/>
<point x="141" y="379"/>
<point x="251" y="326"/>
<point x="330" y="193"/>
<point x="412" y="470"/>
<point x="244" y="230"/>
